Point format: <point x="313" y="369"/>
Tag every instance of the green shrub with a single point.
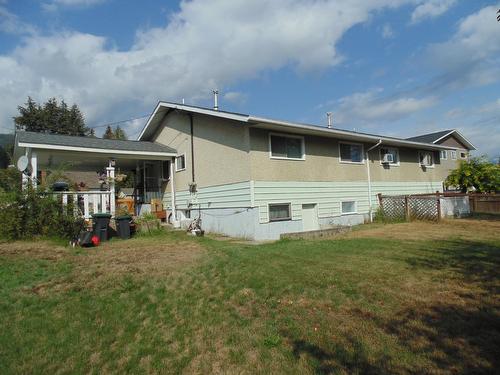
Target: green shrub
<point x="31" y="213"/>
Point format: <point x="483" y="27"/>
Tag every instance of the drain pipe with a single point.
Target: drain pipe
<point x="369" y="178"/>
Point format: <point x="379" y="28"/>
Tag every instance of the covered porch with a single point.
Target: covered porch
<point x="103" y="175"/>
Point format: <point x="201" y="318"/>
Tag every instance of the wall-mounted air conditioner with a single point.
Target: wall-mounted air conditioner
<point x="388" y="158"/>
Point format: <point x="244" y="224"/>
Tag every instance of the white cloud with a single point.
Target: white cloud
<point x="235" y="97"/>
<point x="431" y="9"/>
<point x="387" y="31"/>
<point x="56" y="4"/>
<point x="204" y="45"/>
<point x="370" y="107"/>
<point x="11" y="24"/>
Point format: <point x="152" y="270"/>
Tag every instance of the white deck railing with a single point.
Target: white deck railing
<point x="89" y="202"/>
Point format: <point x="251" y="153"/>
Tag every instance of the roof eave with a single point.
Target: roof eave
<point x="464" y="140"/>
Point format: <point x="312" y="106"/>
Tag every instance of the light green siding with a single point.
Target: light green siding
<point x="221" y="196"/>
<point x="329" y="195"/>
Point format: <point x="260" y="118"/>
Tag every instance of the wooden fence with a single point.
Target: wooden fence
<point x="435" y="206"/>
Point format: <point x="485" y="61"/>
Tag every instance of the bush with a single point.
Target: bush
<point x="30" y="213"/>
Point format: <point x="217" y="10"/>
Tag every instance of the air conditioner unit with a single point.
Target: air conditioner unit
<point x="388" y="158"/>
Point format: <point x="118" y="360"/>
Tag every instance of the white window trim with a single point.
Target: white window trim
<point x="423" y="165"/>
<point x="276" y="204"/>
<point x="352" y="162"/>
<point x="185" y="162"/>
<point x="389" y="148"/>
<point x="445" y="155"/>
<point x="302" y="144"/>
<point x="355" y="207"/>
<point x="453" y="154"/>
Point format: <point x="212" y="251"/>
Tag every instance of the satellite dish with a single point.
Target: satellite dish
<point x="22" y="163"/>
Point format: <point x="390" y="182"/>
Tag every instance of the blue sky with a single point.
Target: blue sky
<point x="395" y="67"/>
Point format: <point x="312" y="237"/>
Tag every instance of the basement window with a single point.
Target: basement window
<point x="351" y="153"/>
<point x="180" y="163"/>
<point x="286" y="147"/>
<point x="280" y="212"/>
<point x="349" y="207"/>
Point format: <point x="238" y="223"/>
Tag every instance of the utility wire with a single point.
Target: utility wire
<point x="118" y="122"/>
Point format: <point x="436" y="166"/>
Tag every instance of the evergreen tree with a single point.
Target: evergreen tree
<point x="120" y="133"/>
<point x="52" y="117"/>
<point x="109" y="133"/>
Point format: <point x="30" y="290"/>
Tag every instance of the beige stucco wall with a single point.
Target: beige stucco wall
<point x="322" y="163"/>
<point x="221" y="149"/>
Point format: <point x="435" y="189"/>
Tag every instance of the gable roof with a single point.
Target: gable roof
<point x="164" y="108"/>
<point x="90" y="144"/>
<point x="437" y="136"/>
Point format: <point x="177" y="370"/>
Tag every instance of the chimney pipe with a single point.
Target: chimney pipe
<point x="329" y="116"/>
<point x="216" y="100"/>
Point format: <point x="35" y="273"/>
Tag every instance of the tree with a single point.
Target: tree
<point x="109" y="133"/>
<point x="53" y="117"/>
<point x="120" y="133"/>
<point x="477" y="173"/>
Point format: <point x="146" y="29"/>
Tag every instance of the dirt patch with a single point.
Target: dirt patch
<point x="467" y="229"/>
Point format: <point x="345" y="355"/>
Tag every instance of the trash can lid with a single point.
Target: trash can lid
<point x="123" y="217"/>
<point x="103" y="215"/>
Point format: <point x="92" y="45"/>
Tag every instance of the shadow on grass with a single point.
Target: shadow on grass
<point x="455" y="331"/>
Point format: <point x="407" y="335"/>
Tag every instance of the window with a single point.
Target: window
<point x="286" y="147"/>
<point x="351" y="152"/>
<point x="349" y="207"/>
<point x="165" y="170"/>
<point x="425" y="158"/>
<point x="279" y="212"/>
<point x="180" y="163"/>
<point x="394" y="152"/>
<point x="453" y="154"/>
<point x="443" y="155"/>
<point x="463" y="155"/>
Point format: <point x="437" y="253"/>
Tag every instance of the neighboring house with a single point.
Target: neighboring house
<point x="461" y="147"/>
<point x="257" y="178"/>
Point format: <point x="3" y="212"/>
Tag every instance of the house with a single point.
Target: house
<point x="461" y="146"/>
<point x="253" y="177"/>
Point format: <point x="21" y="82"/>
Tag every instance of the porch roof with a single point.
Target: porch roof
<point x="93" y="145"/>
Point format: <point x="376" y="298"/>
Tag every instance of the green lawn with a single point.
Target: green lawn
<point x="419" y="298"/>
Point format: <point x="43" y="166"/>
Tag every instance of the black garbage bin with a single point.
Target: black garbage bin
<point x="101" y="225"/>
<point x="123" y="226"/>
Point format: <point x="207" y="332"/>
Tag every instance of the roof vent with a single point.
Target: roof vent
<point x="216" y="100"/>
<point x="329" y="117"/>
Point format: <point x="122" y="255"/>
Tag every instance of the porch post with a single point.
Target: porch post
<point x="110" y="172"/>
<point x="24" y="176"/>
<point x="172" y="190"/>
<point x="34" y="169"/>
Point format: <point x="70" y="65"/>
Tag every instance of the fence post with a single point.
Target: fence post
<point x="407" y="209"/>
<point x="438" y="205"/>
<point x="379" y="195"/>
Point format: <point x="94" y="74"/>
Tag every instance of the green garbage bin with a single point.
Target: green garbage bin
<point x="101" y="225"/>
<point x="123" y="226"/>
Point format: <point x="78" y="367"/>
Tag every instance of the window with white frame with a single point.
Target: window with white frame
<point x="389" y="155"/>
<point x="443" y="155"/>
<point x="426" y="158"/>
<point x="463" y="155"/>
<point x="286" y="147"/>
<point x="280" y="212"/>
<point x="351" y="152"/>
<point x="348" y="207"/>
<point x="453" y="155"/>
<point x="180" y="163"/>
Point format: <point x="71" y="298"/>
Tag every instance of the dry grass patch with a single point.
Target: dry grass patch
<point x="466" y="229"/>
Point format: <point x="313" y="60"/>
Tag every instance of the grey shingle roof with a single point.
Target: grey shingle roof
<point x="91" y="142"/>
<point x="429" y="138"/>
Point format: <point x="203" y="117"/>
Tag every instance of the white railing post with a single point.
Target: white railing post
<point x="110" y="172"/>
<point x="95" y="203"/>
<point x="86" y="212"/>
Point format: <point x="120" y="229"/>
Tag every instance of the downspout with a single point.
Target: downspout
<point x="369" y="178"/>
<point x="192" y="147"/>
